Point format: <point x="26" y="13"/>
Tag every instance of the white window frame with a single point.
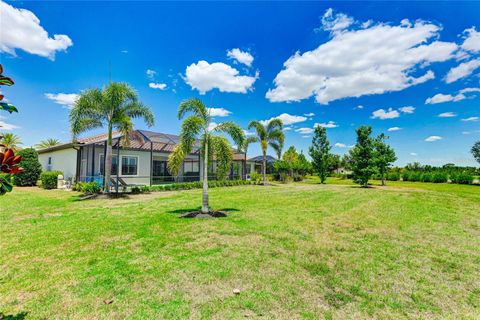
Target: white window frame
<point x="100" y="163"/>
<point x="121" y="165"/>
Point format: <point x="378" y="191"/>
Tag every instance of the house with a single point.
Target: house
<point x="256" y="163"/>
<point x="142" y="162"/>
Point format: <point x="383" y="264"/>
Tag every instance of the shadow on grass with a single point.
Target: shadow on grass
<point x="183" y="211"/>
<point x="18" y="316"/>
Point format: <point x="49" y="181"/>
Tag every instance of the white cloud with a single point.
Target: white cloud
<point x="248" y="133"/>
<point x="204" y="77"/>
<point x="67" y="100"/>
<point x="219" y="112"/>
<point x="287" y="119"/>
<point x="335" y="23"/>
<point x="407" y="109"/>
<point x="394" y="129"/>
<point x="287" y="128"/>
<point x="160" y="86"/>
<point x="413" y="154"/>
<point x="306" y="136"/>
<point x="357" y="62"/>
<point x="241" y="56"/>
<point x="7" y="126"/>
<point x="151" y="73"/>
<point x="360" y="107"/>
<point x="470" y="119"/>
<point x="463" y="70"/>
<point x="21" y="29"/>
<point x="469" y="90"/>
<point x="382" y="114"/>
<point x="340" y="145"/>
<point x="212" y="125"/>
<point x="440" y="98"/>
<point x="447" y="115"/>
<point x="472" y="40"/>
<point x="328" y="125"/>
<point x="433" y="138"/>
<point x="311" y="114"/>
<point x="304" y="130"/>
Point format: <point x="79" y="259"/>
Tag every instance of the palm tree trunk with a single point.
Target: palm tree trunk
<point x="264" y="168"/>
<point x="107" y="165"/>
<point x="205" y="208"/>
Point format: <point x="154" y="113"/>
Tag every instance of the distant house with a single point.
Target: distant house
<point x="143" y="161"/>
<point x="255" y="163"/>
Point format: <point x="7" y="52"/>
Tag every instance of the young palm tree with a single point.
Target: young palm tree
<point x="10" y="141"/>
<point x="113" y="107"/>
<point x="198" y="127"/>
<point x="47" y="143"/>
<point x="271" y="135"/>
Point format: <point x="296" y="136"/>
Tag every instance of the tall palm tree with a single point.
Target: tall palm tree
<point x="47" y="143"/>
<point x="271" y="135"/>
<point x="197" y="127"/>
<point x="113" y="107"/>
<point x="10" y="141"/>
<point x="244" y="148"/>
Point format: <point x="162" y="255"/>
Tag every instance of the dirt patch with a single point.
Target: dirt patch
<point x="200" y="215"/>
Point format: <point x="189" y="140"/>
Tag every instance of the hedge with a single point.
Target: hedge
<point x="49" y="179"/>
<point x="31" y="168"/>
<point x="191" y="185"/>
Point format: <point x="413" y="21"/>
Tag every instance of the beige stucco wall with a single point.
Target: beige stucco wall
<point x="62" y="160"/>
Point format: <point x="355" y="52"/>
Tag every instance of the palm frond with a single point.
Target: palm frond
<point x="233" y="130"/>
<point x="222" y="151"/>
<point x="136" y="109"/>
<point x="274" y="124"/>
<point x="175" y="160"/>
<point x="259" y="129"/>
<point x="191" y="128"/>
<point x="195" y="106"/>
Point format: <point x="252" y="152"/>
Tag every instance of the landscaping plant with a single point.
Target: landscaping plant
<point x="31" y="168"/>
<point x="320" y="153"/>
<point x="363" y="162"/>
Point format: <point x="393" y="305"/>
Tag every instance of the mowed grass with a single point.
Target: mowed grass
<point x="296" y="251"/>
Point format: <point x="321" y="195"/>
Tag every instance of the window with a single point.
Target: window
<point x="129" y="166"/>
<point x="49" y="165"/>
<point x="191" y="166"/>
<point x="114" y="165"/>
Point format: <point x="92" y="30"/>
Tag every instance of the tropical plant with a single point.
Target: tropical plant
<point x="320" y="153"/>
<point x="271" y="135"/>
<point x="384" y="156"/>
<point x="113" y="107"/>
<point x="363" y="156"/>
<point x="476" y="151"/>
<point x="10" y="141"/>
<point x="6" y="81"/>
<point x="197" y="129"/>
<point x="31" y="168"/>
<point x="9" y="164"/>
<point x="47" y="143"/>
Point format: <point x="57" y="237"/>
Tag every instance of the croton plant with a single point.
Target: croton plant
<point x="8" y="160"/>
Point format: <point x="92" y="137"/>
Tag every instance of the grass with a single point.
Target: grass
<point x="296" y="251"/>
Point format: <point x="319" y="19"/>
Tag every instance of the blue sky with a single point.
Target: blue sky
<point x="411" y="67"/>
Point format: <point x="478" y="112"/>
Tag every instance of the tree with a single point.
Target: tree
<point x="291" y="157"/>
<point x="476" y="151"/>
<point x="384" y="156"/>
<point x="31" y="168"/>
<point x="112" y="107"/>
<point x="334" y="163"/>
<point x="363" y="156"/>
<point x="271" y="135"/>
<point x="47" y="143"/>
<point x="198" y="126"/>
<point x="10" y="141"/>
<point x="320" y="153"/>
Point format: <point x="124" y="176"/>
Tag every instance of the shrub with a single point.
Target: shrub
<point x="256" y="177"/>
<point x="427" y="177"/>
<point x="393" y="176"/>
<point x="49" y="179"/>
<point x="88" y="187"/>
<point x="31" y="168"/>
<point x="439" y="177"/>
<point x="462" y="178"/>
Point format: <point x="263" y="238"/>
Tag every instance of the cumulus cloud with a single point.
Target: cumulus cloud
<point x="219" y="112"/>
<point x="355" y="62"/>
<point x="160" y="86"/>
<point x="441" y="98"/>
<point x="382" y="114"/>
<point x="447" y="115"/>
<point x="433" y="138"/>
<point x="304" y="130"/>
<point x="413" y="154"/>
<point x="286" y="118"/>
<point x="472" y="40"/>
<point x="66" y="100"/>
<point x="151" y="73"/>
<point x="311" y="114"/>
<point x="340" y="145"/>
<point x="463" y="70"/>
<point x="21" y="29"/>
<point x="204" y="77"/>
<point x="241" y="56"/>
<point x="407" y="109"/>
<point x="335" y="22"/>
<point x="328" y="125"/>
<point x="394" y="129"/>
<point x="470" y="119"/>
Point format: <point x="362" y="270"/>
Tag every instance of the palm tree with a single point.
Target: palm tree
<point x="113" y="107"/>
<point x="47" y="143"/>
<point x="244" y="149"/>
<point x="197" y="127"/>
<point x="10" y="141"/>
<point x="271" y="135"/>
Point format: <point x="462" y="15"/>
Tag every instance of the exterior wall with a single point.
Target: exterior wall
<point x="62" y="160"/>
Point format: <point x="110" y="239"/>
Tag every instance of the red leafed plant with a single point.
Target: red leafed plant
<point x="8" y="165"/>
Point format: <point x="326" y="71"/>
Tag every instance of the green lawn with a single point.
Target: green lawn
<point x="296" y="251"/>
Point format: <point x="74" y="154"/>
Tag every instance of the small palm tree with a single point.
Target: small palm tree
<point x="197" y="127"/>
<point x="113" y="107"/>
<point x="10" y="141"/>
<point x="47" y="143"/>
<point x="271" y="135"/>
